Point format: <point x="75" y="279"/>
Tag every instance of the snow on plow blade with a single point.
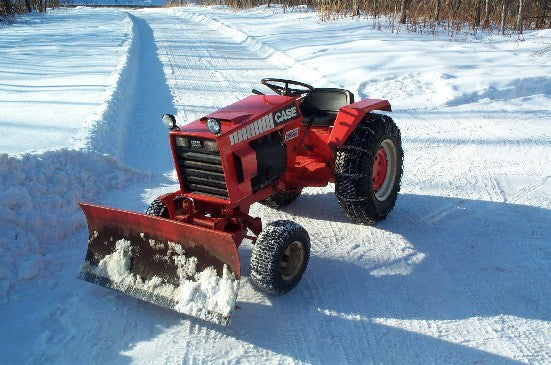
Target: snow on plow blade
<point x="179" y="266"/>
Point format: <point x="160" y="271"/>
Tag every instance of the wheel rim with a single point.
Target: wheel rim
<point x="292" y="260"/>
<point x="380" y="166"/>
<point x="384" y="169"/>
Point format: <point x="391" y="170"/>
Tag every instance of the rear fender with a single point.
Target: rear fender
<point x="350" y="116"/>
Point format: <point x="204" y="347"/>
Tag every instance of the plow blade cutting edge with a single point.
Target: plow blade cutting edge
<point x="183" y="267"/>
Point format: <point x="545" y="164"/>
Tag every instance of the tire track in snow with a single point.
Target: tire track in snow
<point x="130" y="128"/>
<point x="272" y="57"/>
<point x="145" y="142"/>
<point x="207" y="69"/>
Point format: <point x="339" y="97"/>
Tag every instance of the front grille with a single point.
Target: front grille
<point x="201" y="170"/>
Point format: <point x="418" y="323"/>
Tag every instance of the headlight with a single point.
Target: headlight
<point x="210" y="145"/>
<point x="213" y="125"/>
<point x="182" y="142"/>
<point x="169" y="121"/>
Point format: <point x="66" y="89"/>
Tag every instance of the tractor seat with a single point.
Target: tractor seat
<point x="321" y="106"/>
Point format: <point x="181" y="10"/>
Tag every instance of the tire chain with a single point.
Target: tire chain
<point x="351" y="172"/>
<point x="265" y="258"/>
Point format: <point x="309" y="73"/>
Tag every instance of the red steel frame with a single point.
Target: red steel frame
<point x="310" y="159"/>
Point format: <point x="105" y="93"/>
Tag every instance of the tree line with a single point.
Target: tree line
<point x="504" y="15"/>
<point x="9" y="7"/>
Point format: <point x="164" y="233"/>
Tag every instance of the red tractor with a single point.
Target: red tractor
<point x="182" y="253"/>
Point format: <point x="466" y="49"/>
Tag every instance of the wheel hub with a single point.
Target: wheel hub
<point x="380" y="166"/>
<point x="292" y="260"/>
<point x="385" y="169"/>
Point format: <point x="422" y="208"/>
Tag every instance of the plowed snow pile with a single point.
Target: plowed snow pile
<point x="458" y="273"/>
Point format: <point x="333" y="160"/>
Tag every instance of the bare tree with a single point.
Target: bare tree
<point x="376" y="23"/>
<point x="542" y="9"/>
<point x="478" y="10"/>
<point x="503" y="16"/>
<point x="403" y="11"/>
<point x="487" y="14"/>
<point x="6" y="8"/>
<point x="457" y="5"/>
<point x="355" y="8"/>
<point x="519" y="16"/>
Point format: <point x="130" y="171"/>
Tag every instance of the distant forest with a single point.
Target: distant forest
<point x="502" y="15"/>
<point x="9" y="7"/>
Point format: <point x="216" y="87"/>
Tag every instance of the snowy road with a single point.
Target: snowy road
<point x="458" y="273"/>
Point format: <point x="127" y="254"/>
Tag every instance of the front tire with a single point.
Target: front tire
<point x="368" y="170"/>
<point x="280" y="257"/>
<point x="157" y="209"/>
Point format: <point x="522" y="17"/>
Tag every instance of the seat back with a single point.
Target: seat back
<point x="323" y="104"/>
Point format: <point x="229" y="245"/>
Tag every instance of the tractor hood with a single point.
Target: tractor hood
<point x="237" y="115"/>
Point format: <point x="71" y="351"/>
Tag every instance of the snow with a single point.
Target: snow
<point x="115" y="266"/>
<point x="458" y="273"/>
<point x="38" y="206"/>
<point x="208" y="293"/>
<point x="57" y="81"/>
<point x="202" y="294"/>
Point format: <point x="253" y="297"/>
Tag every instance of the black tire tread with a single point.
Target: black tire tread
<point x="353" y="170"/>
<point x="157" y="209"/>
<point x="267" y="252"/>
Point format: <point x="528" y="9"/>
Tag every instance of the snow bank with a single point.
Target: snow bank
<point x="413" y="91"/>
<point x="54" y="83"/>
<point x="38" y="205"/>
<point x="107" y="133"/>
<point x="40" y="190"/>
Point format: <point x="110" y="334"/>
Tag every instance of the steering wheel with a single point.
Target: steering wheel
<point x="284" y="89"/>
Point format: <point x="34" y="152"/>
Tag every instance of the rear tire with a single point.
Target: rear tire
<point x="280" y="256"/>
<point x="157" y="209"/>
<point x="281" y="198"/>
<point x="368" y="170"/>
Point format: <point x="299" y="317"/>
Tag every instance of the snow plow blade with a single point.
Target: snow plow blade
<point x="179" y="266"/>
